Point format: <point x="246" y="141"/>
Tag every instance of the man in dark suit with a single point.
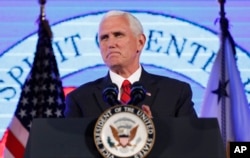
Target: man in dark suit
<point x="121" y="41"/>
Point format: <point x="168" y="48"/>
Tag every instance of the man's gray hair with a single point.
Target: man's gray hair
<point x="134" y="23"/>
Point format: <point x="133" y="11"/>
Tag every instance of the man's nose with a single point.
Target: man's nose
<point x="111" y="42"/>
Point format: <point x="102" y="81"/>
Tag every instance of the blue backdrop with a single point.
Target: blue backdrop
<point x="74" y="24"/>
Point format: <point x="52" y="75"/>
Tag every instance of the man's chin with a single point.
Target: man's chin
<point x="115" y="66"/>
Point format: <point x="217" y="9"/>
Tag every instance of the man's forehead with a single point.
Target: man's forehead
<point x="113" y="29"/>
<point x="116" y="20"/>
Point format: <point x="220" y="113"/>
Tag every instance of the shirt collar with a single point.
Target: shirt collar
<point x="117" y="79"/>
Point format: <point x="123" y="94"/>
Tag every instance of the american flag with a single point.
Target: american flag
<point x="41" y="97"/>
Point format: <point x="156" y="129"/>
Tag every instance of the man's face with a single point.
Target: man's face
<point x="119" y="46"/>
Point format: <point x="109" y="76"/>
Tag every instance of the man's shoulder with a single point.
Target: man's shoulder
<point x="93" y="83"/>
<point x="165" y="79"/>
<point x="87" y="87"/>
<point x="161" y="78"/>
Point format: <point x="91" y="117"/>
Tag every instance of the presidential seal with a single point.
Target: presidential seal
<point x="124" y="131"/>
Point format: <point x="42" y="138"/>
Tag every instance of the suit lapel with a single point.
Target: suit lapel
<point x="98" y="92"/>
<point x="149" y="84"/>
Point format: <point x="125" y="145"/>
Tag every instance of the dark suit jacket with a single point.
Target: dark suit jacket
<point x="169" y="97"/>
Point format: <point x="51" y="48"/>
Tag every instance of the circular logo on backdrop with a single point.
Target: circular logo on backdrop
<point x="124" y="131"/>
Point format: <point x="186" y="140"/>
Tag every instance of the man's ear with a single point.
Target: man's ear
<point x="141" y="42"/>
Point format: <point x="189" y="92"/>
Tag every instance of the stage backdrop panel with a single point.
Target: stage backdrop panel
<point x="182" y="37"/>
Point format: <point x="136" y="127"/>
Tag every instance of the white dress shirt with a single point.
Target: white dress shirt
<point x="117" y="79"/>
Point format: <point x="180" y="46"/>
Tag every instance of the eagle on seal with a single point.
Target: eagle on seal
<point x="124" y="139"/>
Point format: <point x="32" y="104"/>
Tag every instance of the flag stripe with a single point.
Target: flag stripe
<point x="2" y="142"/>
<point x="19" y="131"/>
<point x="14" y="146"/>
<point x="7" y="154"/>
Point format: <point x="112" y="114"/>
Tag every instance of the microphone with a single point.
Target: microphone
<point x="110" y="95"/>
<point x="137" y="93"/>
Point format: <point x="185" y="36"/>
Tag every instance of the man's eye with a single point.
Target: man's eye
<point x="104" y="37"/>
<point x="119" y="34"/>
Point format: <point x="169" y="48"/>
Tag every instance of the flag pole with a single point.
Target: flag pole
<point x="224" y="32"/>
<point x="42" y="18"/>
<point x="42" y="9"/>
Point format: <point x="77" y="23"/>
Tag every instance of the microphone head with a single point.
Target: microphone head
<point x="137" y="93"/>
<point x="110" y="94"/>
